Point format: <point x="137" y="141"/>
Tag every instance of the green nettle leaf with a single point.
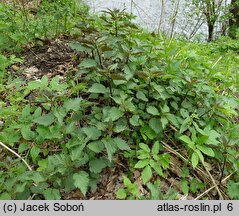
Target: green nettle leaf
<point x="194" y="159"/>
<point x="56" y="86"/>
<point x="112" y="114"/>
<point x="5" y="196"/>
<point x="26" y="111"/>
<point x="157" y="168"/>
<point x="206" y="150"/>
<point x="97" y="165"/>
<point x="140" y="95"/>
<point x="81" y="181"/>
<point x="45" y="120"/>
<point x="213" y="136"/>
<point x="23" y="147"/>
<point x="78" y="47"/>
<point x="158" y="88"/>
<point x="155" y="124"/>
<point x="233" y="189"/>
<point x="88" y="63"/>
<point x="164" y="122"/>
<point x="96" y="146"/>
<point x="144" y="147"/>
<point x="98" y="88"/>
<point x="92" y="133"/>
<point x="155" y="148"/>
<point x="73" y="104"/>
<point x="34" y="85"/>
<point x="172" y="118"/>
<point x="34" y="152"/>
<point x="141" y="164"/>
<point x="121" y="194"/>
<point x="121" y="144"/>
<point x="110" y="148"/>
<point x="200" y="155"/>
<point x="27" y="133"/>
<point x="184" y="186"/>
<point x="128" y="105"/>
<point x="52" y="194"/>
<point x="165" y="108"/>
<point x="185" y="125"/>
<point x="44" y="82"/>
<point x="121" y="125"/>
<point x="146" y="174"/>
<point x="152" y="110"/>
<point x="134" y="120"/>
<point x="186" y="139"/>
<point x="37" y="112"/>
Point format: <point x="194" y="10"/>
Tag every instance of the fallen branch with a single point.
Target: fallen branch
<point x="15" y="153"/>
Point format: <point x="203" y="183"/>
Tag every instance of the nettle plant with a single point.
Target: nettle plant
<point x="134" y="95"/>
<point x="158" y="91"/>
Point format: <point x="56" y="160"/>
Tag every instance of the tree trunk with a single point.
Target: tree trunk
<point x="234" y="19"/>
<point x="210" y="32"/>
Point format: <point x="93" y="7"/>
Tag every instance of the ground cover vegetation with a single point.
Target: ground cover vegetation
<point x="94" y="107"/>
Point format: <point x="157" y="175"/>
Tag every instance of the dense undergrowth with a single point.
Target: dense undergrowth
<point x="163" y="107"/>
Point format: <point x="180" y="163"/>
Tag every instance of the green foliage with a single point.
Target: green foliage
<point x="134" y="94"/>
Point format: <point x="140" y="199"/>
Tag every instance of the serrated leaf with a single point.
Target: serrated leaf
<point x="45" y="120"/>
<point x="73" y="104"/>
<point x="200" y="155"/>
<point x="185" y="139"/>
<point x="157" y="168"/>
<point x="165" y="108"/>
<point x="96" y="146"/>
<point x="152" y="110"/>
<point x="52" y="194"/>
<point x="140" y="95"/>
<point x="155" y="148"/>
<point x="206" y="150"/>
<point x="121" y="194"/>
<point x="88" y="63"/>
<point x="155" y="124"/>
<point x="44" y="82"/>
<point x="164" y="122"/>
<point x="26" y="132"/>
<point x="146" y="174"/>
<point x="121" y="125"/>
<point x="5" y="196"/>
<point x="185" y="125"/>
<point x="233" y="189"/>
<point x="97" y="165"/>
<point x="158" y="88"/>
<point x="81" y="181"/>
<point x="194" y="159"/>
<point x="34" y="85"/>
<point x="34" y="152"/>
<point x="56" y="86"/>
<point x="112" y="114"/>
<point x="110" y="148"/>
<point x="172" y="118"/>
<point x="92" y="133"/>
<point x="121" y="144"/>
<point x="134" y="120"/>
<point x="98" y="88"/>
<point x="22" y="147"/>
<point x="141" y="164"/>
<point x="26" y="111"/>
<point x="185" y="187"/>
<point x="78" y="47"/>
<point x="144" y="147"/>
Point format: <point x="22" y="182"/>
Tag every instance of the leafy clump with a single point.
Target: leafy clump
<point x="155" y="106"/>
